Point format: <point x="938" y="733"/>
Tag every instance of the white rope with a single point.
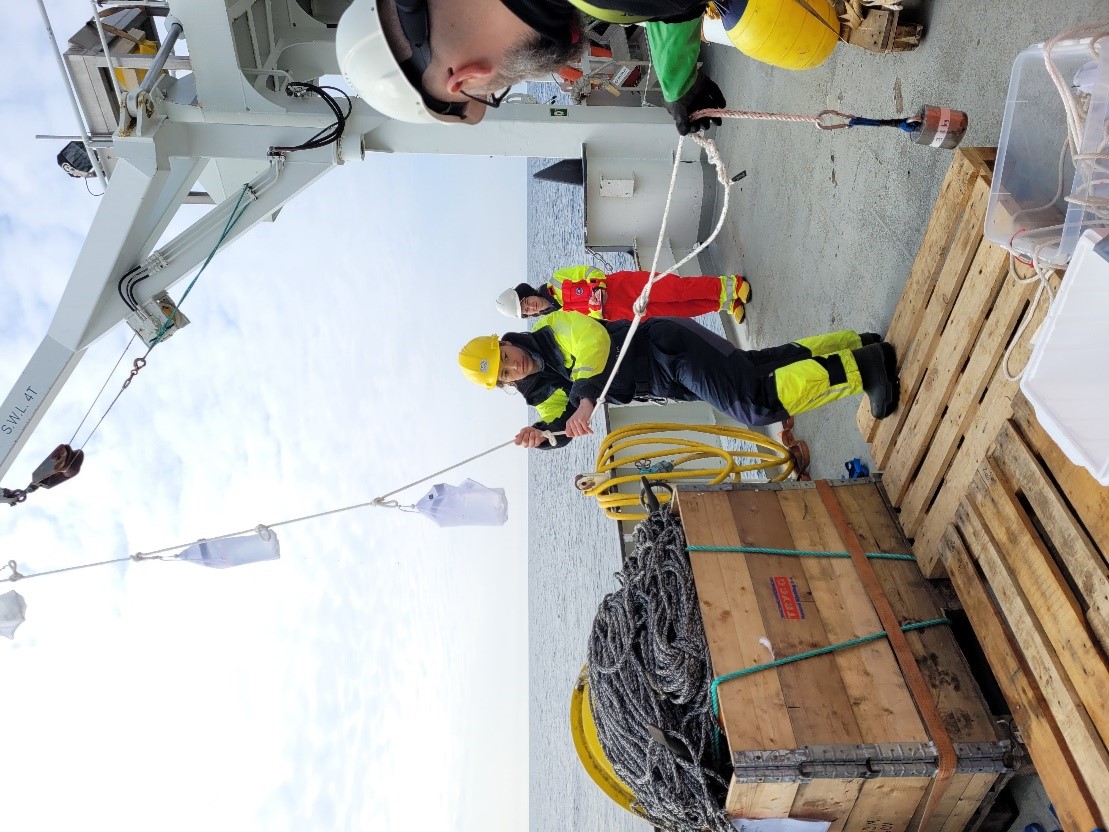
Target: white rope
<point x="379" y="502"/>
<point x="264" y="529"/>
<point x="640" y="305"/>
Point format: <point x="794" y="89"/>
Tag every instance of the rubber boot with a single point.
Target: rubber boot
<point x="877" y="365"/>
<point x="742" y="289"/>
<point x="742" y="294"/>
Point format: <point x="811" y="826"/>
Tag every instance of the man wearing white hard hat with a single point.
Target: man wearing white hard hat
<point x="445" y="61"/>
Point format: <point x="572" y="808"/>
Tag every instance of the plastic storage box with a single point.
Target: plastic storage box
<point x="1065" y="380"/>
<point x="1027" y="207"/>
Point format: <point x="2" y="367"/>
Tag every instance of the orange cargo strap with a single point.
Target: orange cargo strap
<point x="913" y="677"/>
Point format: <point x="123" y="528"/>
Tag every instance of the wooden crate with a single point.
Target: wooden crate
<point x="849" y="705"/>
<point x="1027" y="554"/>
<point x="957" y="315"/>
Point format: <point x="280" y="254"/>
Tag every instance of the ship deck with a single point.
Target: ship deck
<point x="827" y="224"/>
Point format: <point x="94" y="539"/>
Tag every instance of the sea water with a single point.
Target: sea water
<point x="573" y="552"/>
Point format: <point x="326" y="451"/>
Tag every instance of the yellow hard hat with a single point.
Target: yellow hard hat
<point x="480" y="360"/>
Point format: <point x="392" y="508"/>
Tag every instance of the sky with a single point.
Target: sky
<point x="375" y="677"/>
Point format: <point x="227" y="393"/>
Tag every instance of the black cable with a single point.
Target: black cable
<point x="328" y="135"/>
<point x="127" y="297"/>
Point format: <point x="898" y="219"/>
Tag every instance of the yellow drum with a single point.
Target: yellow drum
<point x="584" y="731"/>
<point x="792" y="34"/>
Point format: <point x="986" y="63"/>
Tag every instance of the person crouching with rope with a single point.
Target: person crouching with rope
<point x="561" y="368"/>
<point x="590" y="291"/>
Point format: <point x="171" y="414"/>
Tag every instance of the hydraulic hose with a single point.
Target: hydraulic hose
<point x="649" y="452"/>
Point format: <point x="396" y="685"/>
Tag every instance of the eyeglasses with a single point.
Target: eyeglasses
<point x="493" y="101"/>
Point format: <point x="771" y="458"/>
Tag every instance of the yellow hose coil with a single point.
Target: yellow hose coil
<point x="588" y="745"/>
<point x="691" y="459"/>
<point x="787" y="33"/>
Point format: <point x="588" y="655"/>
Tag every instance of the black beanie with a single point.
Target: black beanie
<point x="526" y="290"/>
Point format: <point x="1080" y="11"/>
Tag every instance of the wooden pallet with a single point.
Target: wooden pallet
<point x="848" y="700"/>
<point x="1028" y="554"/>
<point x="957" y="316"/>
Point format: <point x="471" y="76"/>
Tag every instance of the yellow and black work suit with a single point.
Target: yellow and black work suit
<point x="676" y="358"/>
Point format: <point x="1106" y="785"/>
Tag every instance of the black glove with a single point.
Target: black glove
<point x="703" y="95"/>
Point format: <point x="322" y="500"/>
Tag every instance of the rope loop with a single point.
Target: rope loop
<point x="823" y="120"/>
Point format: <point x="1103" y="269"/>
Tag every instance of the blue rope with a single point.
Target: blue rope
<point x="236" y="215"/>
<point x="798" y="553"/>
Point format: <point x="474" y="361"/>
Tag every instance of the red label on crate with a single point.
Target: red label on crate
<point x="788" y="598"/>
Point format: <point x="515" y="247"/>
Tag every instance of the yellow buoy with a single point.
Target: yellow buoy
<point x="588" y="745"/>
<point x="791" y="34"/>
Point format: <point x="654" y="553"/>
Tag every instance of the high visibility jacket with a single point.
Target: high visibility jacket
<point x="572" y="289"/>
<point x="575" y="351"/>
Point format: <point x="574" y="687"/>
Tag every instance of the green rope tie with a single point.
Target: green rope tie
<point x="820" y="651"/>
<point x="797" y="553"/>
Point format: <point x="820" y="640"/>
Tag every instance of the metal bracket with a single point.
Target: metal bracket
<point x="147" y="321"/>
<point x="864" y="761"/>
<point x="819" y="762"/>
<point x="995" y="757"/>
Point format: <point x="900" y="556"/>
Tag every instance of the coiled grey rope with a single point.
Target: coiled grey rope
<point x="648" y="666"/>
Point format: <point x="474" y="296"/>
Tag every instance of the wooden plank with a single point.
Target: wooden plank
<point x="815" y="697"/>
<point x="946" y="804"/>
<point x="730" y="615"/>
<point x="1053" y="759"/>
<point x="964" y="711"/>
<point x="887" y="804"/>
<point x="992" y="413"/>
<point x="988" y="274"/>
<point x="1084" y="565"/>
<point x="912" y="362"/>
<point x="880" y="699"/>
<point x="760" y="800"/>
<point x="963" y="404"/>
<point x="950" y="206"/>
<point x="1044" y="593"/>
<point x="995" y="408"/>
<point x="974" y="788"/>
<point x="981" y="158"/>
<point x="1088" y="499"/>
<point x="830" y="800"/>
<point x="1075" y="725"/>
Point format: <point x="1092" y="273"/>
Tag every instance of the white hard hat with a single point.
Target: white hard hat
<point x="508" y="303"/>
<point x="369" y="65"/>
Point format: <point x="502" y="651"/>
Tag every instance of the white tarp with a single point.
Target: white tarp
<point x="12" y="613"/>
<point x="234" y="551"/>
<point x="468" y="504"/>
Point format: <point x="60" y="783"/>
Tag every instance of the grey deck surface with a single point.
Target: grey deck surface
<point x="826" y="224"/>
